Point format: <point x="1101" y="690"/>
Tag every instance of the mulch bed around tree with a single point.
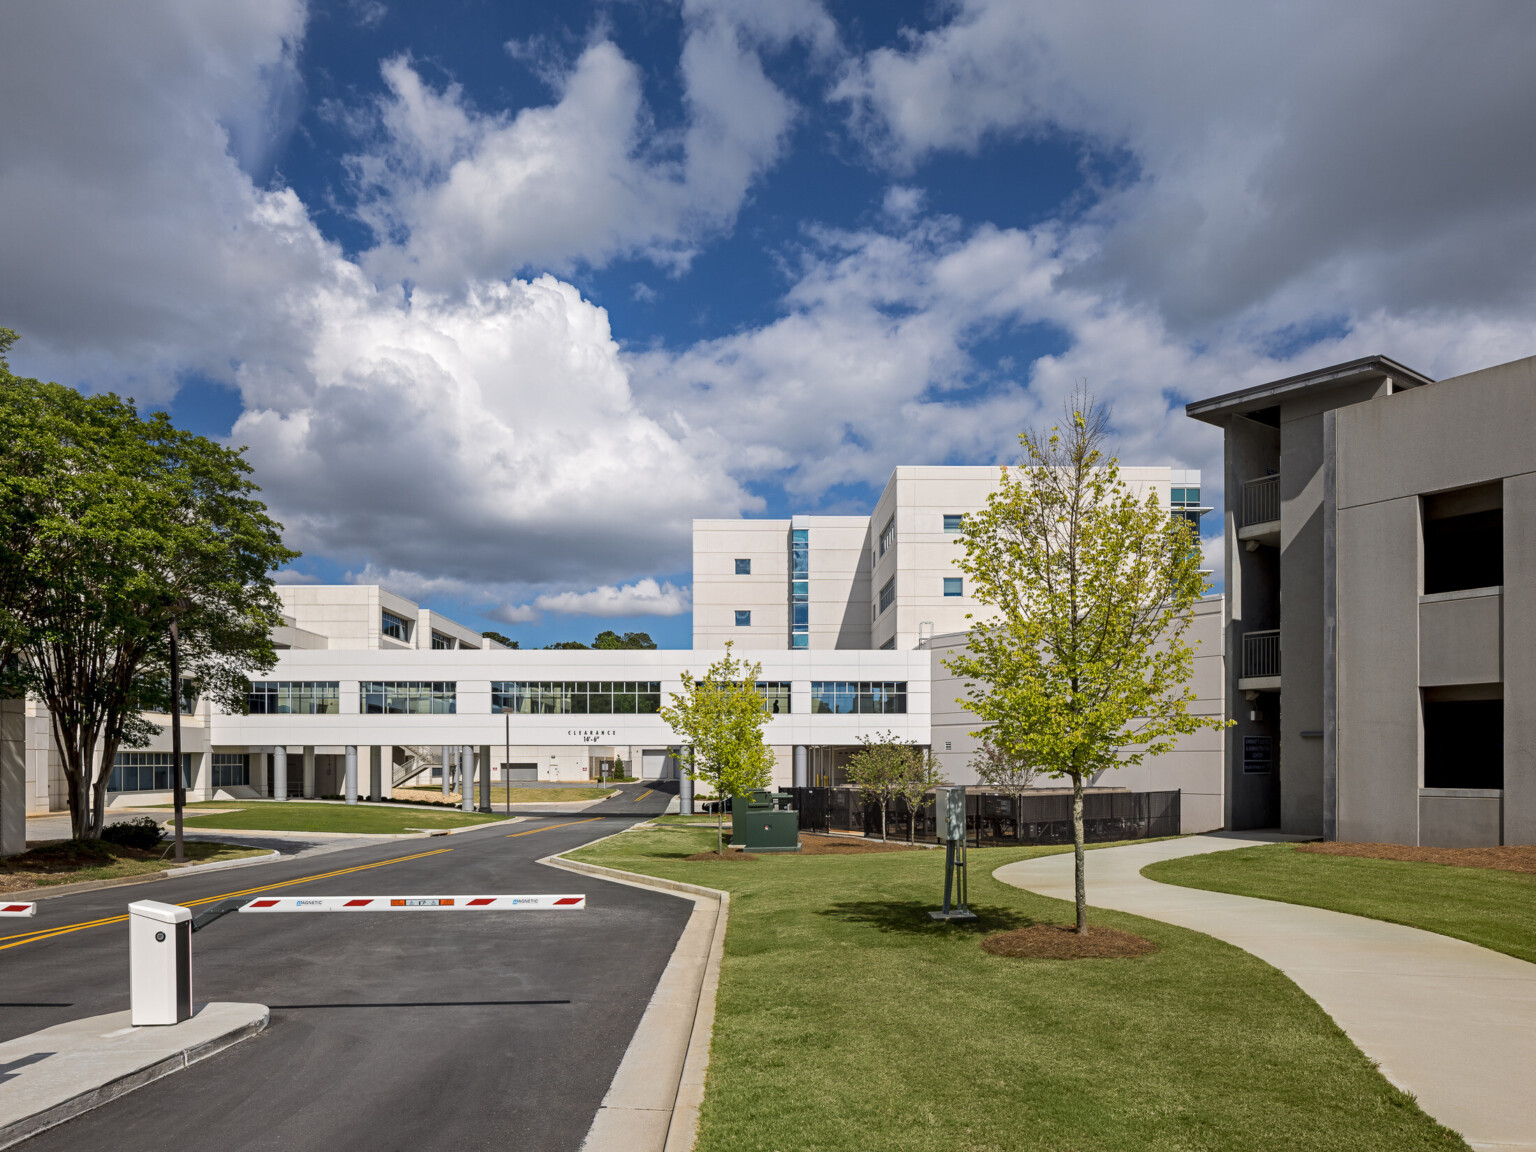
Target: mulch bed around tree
<point x="1061" y="942"/>
<point x="1515" y="858"/>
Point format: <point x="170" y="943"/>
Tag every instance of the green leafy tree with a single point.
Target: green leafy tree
<point x="879" y="770"/>
<point x="923" y="774"/>
<point x="499" y="638"/>
<point x="611" y="641"/>
<point x="722" y="716"/>
<point x="1082" y="667"/>
<point x="133" y="524"/>
<point x="1001" y="768"/>
<point x="567" y="645"/>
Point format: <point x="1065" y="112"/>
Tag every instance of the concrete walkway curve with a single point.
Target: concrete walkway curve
<point x="1450" y="1022"/>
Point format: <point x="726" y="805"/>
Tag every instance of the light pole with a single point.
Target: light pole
<point x="179" y="788"/>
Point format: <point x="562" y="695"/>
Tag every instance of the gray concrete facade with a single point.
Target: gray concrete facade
<point x="1359" y="501"/>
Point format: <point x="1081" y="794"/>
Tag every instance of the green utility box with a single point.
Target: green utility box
<point x="764" y="822"/>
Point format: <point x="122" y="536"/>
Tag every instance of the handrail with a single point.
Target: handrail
<point x="1261" y="500"/>
<point x="1261" y="653"/>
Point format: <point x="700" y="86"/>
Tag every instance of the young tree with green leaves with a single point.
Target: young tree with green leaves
<point x="879" y="769"/>
<point x="134" y="524"/>
<point x="1000" y="768"/>
<point x="923" y="774"/>
<point x="1082" y="666"/>
<point x="722" y="715"/>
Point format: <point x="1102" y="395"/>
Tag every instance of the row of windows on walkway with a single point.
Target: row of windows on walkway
<point x="151" y="771"/>
<point x="553" y="697"/>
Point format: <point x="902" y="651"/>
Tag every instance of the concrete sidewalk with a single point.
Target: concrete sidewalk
<point x="1450" y="1022"/>
<point x="54" y="1075"/>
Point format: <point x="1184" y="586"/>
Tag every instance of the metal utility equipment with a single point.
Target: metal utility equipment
<point x="949" y="815"/>
<point x="764" y="822"/>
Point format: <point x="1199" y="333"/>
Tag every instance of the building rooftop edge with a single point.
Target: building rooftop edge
<point x="1332" y="376"/>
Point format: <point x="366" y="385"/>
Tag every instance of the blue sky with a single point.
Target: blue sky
<point x="499" y="297"/>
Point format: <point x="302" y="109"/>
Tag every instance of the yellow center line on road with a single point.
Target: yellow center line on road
<point x="46" y="933"/>
<point x="642" y="796"/>
<point x="548" y="827"/>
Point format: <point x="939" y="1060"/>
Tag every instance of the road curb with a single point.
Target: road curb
<point x="141" y="878"/>
<point x="653" y="1103"/>
<point x="94" y="1048"/>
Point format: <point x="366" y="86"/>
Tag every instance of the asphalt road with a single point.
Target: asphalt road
<point x="396" y="1031"/>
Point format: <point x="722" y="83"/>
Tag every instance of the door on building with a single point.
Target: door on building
<point x="653" y="764"/>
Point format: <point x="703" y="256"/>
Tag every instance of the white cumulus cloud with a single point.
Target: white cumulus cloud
<point x="644" y="597"/>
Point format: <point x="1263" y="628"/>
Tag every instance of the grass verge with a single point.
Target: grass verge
<point x="847" y="1020"/>
<point x="72" y="861"/>
<point x="1483" y="906"/>
<point x="295" y="816"/>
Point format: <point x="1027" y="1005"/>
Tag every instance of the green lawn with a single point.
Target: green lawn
<point x="1494" y="909"/>
<point x="519" y="795"/>
<point x="71" y="861"/>
<point x="847" y="1020"/>
<point x="295" y="816"/>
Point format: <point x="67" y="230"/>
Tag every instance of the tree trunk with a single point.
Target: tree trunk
<point x="1077" y="852"/>
<point x="720" y="825"/>
<point x="883" y="807"/>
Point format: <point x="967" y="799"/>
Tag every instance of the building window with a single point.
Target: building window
<point x="743" y="618"/>
<point x="408" y="697"/>
<point x="889" y="645"/>
<point x="576" y="697"/>
<point x="953" y="586"/>
<point x="775" y="694"/>
<point x="231" y="769"/>
<point x="440" y="641"/>
<point x="295" y="697"/>
<point x="952" y="521"/>
<point x="799" y="587"/>
<point x="1464" y="539"/>
<point x="888" y="594"/>
<point x="1463" y="743"/>
<point x="147" y="772"/>
<point x="888" y="535"/>
<point x="395" y="627"/>
<point x="744" y="567"/>
<point x="846" y="697"/>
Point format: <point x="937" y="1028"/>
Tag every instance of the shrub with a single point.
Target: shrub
<point x="143" y="833"/>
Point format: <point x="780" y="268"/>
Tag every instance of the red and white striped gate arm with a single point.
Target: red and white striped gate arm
<point x="18" y="909"/>
<point x="414" y="903"/>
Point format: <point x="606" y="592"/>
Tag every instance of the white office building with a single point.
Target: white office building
<point x="849" y="616"/>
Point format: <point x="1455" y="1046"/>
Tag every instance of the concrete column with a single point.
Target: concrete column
<point x="280" y="773"/>
<point x="467" y="778"/>
<point x="203" y="779"/>
<point x="447" y="768"/>
<point x="13" y="776"/>
<point x="375" y="773"/>
<point x="485" y="777"/>
<point x="351" y="790"/>
<point x="802" y="772"/>
<point x="309" y="772"/>
<point x="387" y="752"/>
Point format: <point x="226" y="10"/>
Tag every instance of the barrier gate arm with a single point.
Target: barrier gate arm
<point x="558" y="903"/>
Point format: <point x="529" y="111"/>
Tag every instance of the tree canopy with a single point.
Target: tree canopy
<point x="722" y="715"/>
<point x="1082" y="667"/>
<point x="607" y="639"/>
<point x="123" y="523"/>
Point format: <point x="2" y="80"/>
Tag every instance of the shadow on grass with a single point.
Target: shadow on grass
<point x="911" y="916"/>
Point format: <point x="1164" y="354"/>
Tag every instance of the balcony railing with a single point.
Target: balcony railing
<point x="1261" y="654"/>
<point x="1261" y="500"/>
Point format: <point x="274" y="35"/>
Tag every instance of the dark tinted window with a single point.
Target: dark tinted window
<point x="1464" y="744"/>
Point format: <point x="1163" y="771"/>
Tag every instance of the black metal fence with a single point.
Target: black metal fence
<point x="996" y="818"/>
